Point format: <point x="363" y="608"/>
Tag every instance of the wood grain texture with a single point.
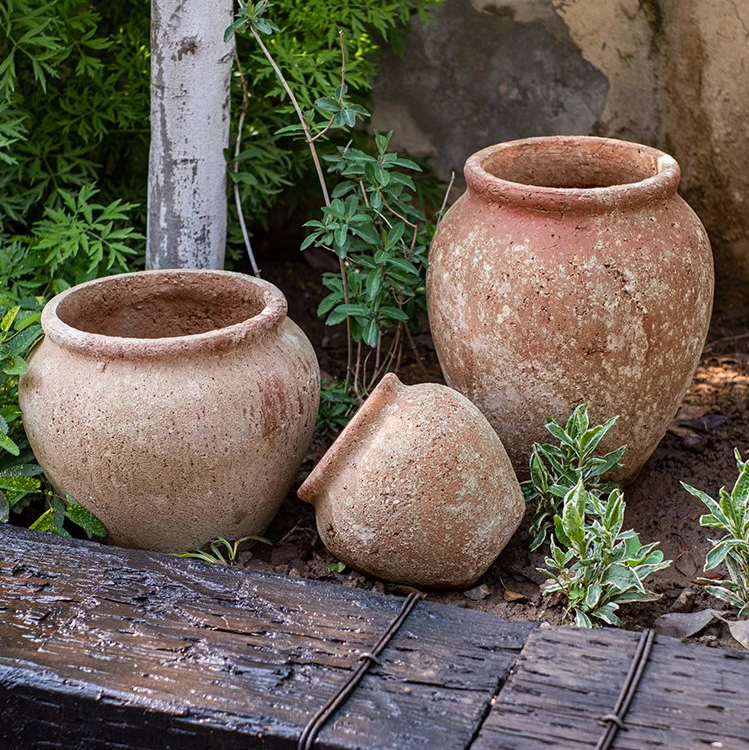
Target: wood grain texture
<point x="102" y="647"/>
<point x="689" y="697"/>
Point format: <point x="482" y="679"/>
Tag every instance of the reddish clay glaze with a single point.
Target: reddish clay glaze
<point x="571" y="271"/>
<point x="176" y="405"/>
<point x="417" y="489"/>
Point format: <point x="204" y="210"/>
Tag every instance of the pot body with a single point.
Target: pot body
<point x="417" y="489"/>
<point x="569" y="272"/>
<point x="176" y="405"/>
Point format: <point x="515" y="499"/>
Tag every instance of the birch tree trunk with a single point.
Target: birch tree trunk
<point x="190" y="116"/>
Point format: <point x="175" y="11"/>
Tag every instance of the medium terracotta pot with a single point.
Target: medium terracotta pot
<point x="571" y="271"/>
<point x="176" y="405"/>
<point x="417" y="489"/>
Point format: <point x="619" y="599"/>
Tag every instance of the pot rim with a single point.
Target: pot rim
<point x="658" y="186"/>
<point x="351" y="437"/>
<point x="98" y="344"/>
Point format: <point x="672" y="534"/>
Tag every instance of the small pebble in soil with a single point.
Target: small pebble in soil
<point x="709" y="640"/>
<point x="478" y="593"/>
<point x="684" y="602"/>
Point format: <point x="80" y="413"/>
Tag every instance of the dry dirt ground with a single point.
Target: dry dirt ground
<point x="698" y="449"/>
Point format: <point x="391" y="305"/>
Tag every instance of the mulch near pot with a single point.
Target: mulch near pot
<point x="698" y="449"/>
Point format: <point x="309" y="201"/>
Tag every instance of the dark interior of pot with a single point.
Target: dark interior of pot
<point x="572" y="164"/>
<point x="161" y="305"/>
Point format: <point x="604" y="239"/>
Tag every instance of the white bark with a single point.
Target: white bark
<point x="190" y="116"/>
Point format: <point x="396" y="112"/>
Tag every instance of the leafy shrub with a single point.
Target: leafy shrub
<point x="77" y="241"/>
<point x="556" y="469"/>
<point x="372" y="223"/>
<point x="730" y="514"/>
<point x="304" y="38"/>
<point x="595" y="565"/>
<point x="336" y="408"/>
<point x="74" y="104"/>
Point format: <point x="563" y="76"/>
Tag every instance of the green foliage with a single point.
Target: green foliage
<point x="595" y="565"/>
<point x="74" y="104"/>
<point x="21" y="483"/>
<point x="370" y="221"/>
<point x="19" y="330"/>
<point x="373" y="225"/>
<point x="221" y="551"/>
<point x="556" y="469"/>
<point x="305" y="38"/>
<point x="74" y="242"/>
<point x="59" y="509"/>
<point x="731" y="515"/>
<point x="78" y="241"/>
<point x="337" y="404"/>
<point x="336" y="567"/>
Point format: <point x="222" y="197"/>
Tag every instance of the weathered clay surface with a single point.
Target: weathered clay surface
<point x="176" y="405"/>
<point x="571" y="271"/>
<point x="417" y="489"/>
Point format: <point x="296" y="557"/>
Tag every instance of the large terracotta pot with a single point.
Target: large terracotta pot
<point x="176" y="405"/>
<point x="571" y="271"/>
<point x="417" y="489"/>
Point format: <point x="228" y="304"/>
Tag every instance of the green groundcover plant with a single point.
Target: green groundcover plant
<point x="556" y="469"/>
<point x="593" y="564"/>
<point x="729" y="514"/>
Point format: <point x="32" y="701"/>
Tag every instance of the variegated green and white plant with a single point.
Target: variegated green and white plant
<point x="593" y="564"/>
<point x="556" y="469"/>
<point x="730" y="513"/>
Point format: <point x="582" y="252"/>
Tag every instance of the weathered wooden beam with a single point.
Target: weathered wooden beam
<point x="565" y="680"/>
<point x="108" y="648"/>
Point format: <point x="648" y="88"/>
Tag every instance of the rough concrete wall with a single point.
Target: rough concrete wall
<point x="669" y="73"/>
<point x="480" y="74"/>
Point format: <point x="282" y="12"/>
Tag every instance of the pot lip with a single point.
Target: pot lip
<point x="660" y="185"/>
<point x="102" y="345"/>
<point x="353" y="434"/>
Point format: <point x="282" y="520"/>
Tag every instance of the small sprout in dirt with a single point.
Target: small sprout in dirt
<point x="593" y="564"/>
<point x="730" y="514"/>
<point x="337" y="405"/>
<point x="336" y="567"/>
<point x="222" y="551"/>
<point x="556" y="469"/>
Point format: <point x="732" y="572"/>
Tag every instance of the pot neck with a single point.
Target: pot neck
<point x="572" y="174"/>
<point x="95" y="319"/>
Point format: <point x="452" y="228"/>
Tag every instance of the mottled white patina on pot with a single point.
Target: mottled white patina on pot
<point x="417" y="489"/>
<point x="176" y="405"/>
<point x="571" y="271"/>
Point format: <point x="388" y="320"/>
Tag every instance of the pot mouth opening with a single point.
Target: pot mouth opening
<point x="155" y="311"/>
<point x="563" y="171"/>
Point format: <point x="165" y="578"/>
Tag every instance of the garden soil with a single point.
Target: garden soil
<point x="698" y="449"/>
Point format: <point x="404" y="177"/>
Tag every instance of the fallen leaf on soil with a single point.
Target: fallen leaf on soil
<point x="684" y="624"/>
<point x="707" y="423"/>
<point x="478" y="593"/>
<point x="684" y="562"/>
<point x="691" y="420"/>
<point x="740" y="631"/>
<point x="512" y="596"/>
<point x="711" y="576"/>
<point x="689" y="411"/>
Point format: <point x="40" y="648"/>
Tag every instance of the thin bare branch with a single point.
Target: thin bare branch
<point x="237" y="151"/>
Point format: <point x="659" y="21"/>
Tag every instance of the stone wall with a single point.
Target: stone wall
<point x="668" y="73"/>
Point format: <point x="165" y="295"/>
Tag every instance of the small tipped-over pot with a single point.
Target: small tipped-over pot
<point x="417" y="489"/>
